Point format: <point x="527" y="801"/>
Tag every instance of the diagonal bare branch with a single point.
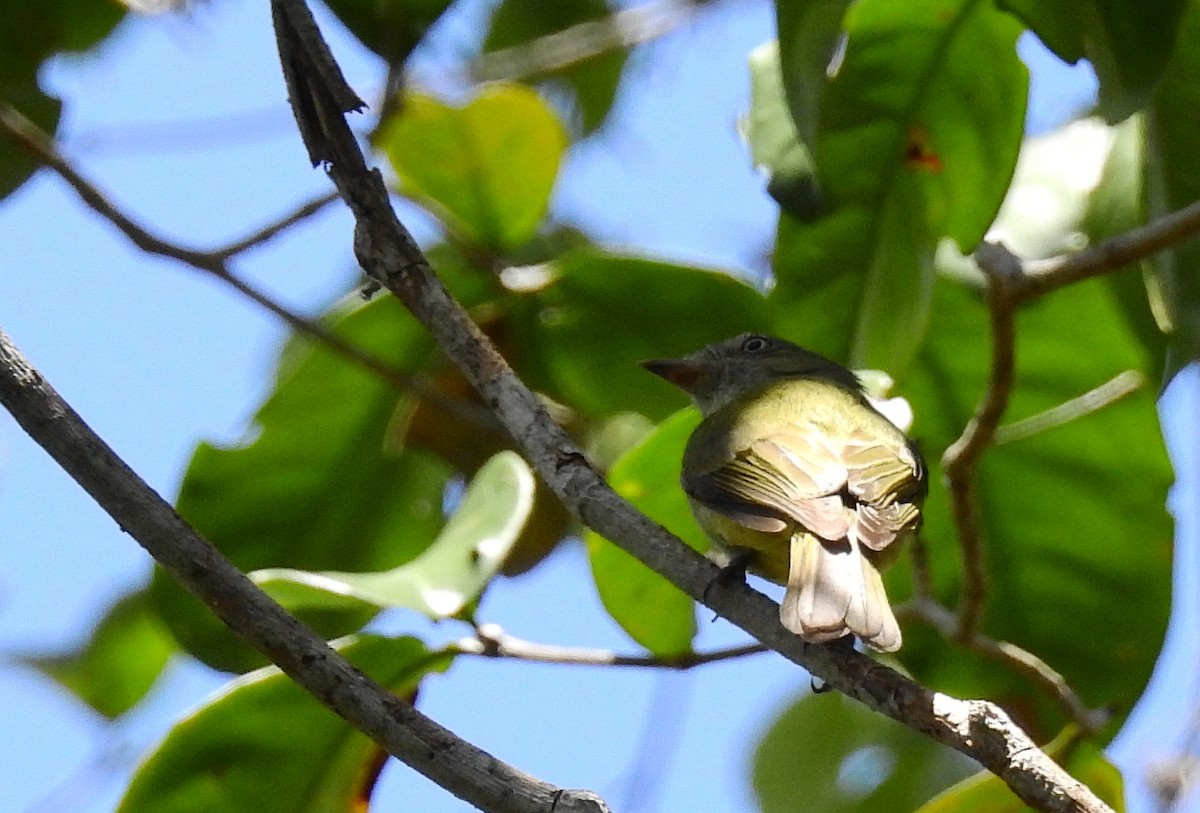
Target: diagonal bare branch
<point x="388" y="253"/>
<point x="253" y="615"/>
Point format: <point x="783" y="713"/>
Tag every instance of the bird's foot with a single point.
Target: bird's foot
<point x="732" y="572"/>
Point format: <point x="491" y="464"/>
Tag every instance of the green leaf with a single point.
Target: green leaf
<point x="648" y="607"/>
<point x="774" y="143"/>
<point x="603" y="313"/>
<point x="1128" y="42"/>
<point x="591" y="83"/>
<point x="1076" y="535"/>
<point x="828" y="753"/>
<point x="390" y="28"/>
<point x="486" y="168"/>
<point x="321" y="485"/>
<point x="917" y="136"/>
<point x="122" y="658"/>
<point x="447" y="576"/>
<point x="263" y="745"/>
<point x="809" y="32"/>
<point x="1174" y="182"/>
<point x="986" y="793"/>
<point x="33" y="31"/>
<point x="37" y="29"/>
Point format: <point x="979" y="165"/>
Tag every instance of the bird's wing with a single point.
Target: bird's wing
<point x="886" y="482"/>
<point x="795" y="476"/>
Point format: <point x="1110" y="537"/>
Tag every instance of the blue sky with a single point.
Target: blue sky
<point x="182" y="121"/>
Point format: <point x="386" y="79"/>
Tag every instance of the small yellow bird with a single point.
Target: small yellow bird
<point x="800" y="479"/>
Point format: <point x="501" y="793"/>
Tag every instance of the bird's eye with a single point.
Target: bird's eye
<point x="754" y="344"/>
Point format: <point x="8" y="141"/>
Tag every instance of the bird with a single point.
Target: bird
<point x="798" y="478"/>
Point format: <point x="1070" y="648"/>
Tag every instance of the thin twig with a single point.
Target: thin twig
<point x="1002" y="269"/>
<point x="1023" y="661"/>
<point x="388" y="253"/>
<point x="1012" y="283"/>
<point x="493" y="642"/>
<point x="1042" y="276"/>
<point x="1119" y="386"/>
<point x="301" y="212"/>
<point x="253" y="615"/>
<point x="923" y="606"/>
<point x="40" y="146"/>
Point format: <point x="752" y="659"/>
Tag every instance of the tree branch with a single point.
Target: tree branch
<point x="1042" y="276"/>
<point x="491" y="641"/>
<point x="1119" y="386"/>
<point x="1010" y="284"/>
<point x="1002" y="270"/>
<point x="944" y="621"/>
<point x="301" y="212"/>
<point x="473" y="774"/>
<point x="388" y="253"/>
<point x="40" y="146"/>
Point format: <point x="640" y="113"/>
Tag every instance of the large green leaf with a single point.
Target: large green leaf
<point x="452" y="572"/>
<point x="828" y="753"/>
<point x="263" y="745"/>
<point x="1077" y="540"/>
<point x="916" y="140"/>
<point x="986" y="793"/>
<point x="1174" y="182"/>
<point x="320" y="486"/>
<point x="486" y="168"/>
<point x="1128" y="42"/>
<point x="122" y="658"/>
<point x="603" y="313"/>
<point x="591" y="83"/>
<point x="648" y="607"/>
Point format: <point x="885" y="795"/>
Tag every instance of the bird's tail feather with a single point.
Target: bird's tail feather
<point x="833" y="590"/>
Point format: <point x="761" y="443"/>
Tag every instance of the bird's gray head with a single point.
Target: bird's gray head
<point x="718" y="373"/>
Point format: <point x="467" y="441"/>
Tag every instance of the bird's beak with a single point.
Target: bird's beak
<point x="680" y="372"/>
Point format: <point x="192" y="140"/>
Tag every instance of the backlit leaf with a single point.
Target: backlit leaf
<point x="486" y="168"/>
<point x="451" y="573"/>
